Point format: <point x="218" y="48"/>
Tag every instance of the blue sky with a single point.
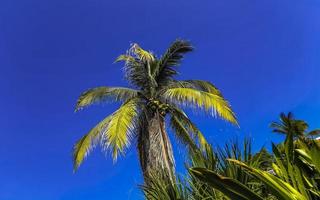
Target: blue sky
<point x="264" y="56"/>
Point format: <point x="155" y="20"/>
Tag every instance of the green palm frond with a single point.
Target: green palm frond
<point x="148" y="60"/>
<point x="140" y="53"/>
<point x="309" y="155"/>
<point x="230" y="187"/>
<point x="121" y="127"/>
<point x="182" y="133"/>
<point x="281" y="189"/>
<point x="84" y="146"/>
<point x="278" y="128"/>
<point x="101" y="94"/>
<point x="181" y="123"/>
<point x="195" y="84"/>
<point x="126" y="58"/>
<point x="212" y="103"/>
<point x="157" y="188"/>
<point x="205" y="86"/>
<point x="138" y="63"/>
<point x="315" y="132"/>
<point x="165" y="69"/>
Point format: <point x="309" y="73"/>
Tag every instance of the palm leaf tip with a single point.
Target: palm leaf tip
<point x="91" y="96"/>
<point x="87" y="142"/>
<point x="80" y="150"/>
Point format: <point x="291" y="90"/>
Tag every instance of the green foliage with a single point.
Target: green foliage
<point x="211" y="103"/>
<point x="166" y="67"/>
<point x="233" y="188"/>
<point x="102" y="94"/>
<point x="185" y="129"/>
<point x="121" y="127"/>
<point x="83" y="147"/>
<point x="291" y="172"/>
<point x="157" y="188"/>
<point x="289" y="125"/>
<point x="226" y="173"/>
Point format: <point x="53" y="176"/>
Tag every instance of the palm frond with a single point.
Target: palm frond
<point x="158" y="188"/>
<point x="147" y="58"/>
<point x="102" y="94"/>
<point x="120" y="129"/>
<point x="182" y="125"/>
<point x="212" y="103"/>
<point x="84" y="146"/>
<point x="280" y="188"/>
<point x="140" y="53"/>
<point x="230" y="187"/>
<point x="165" y="69"/>
<point x="278" y="128"/>
<point x="315" y="132"/>
<point x="182" y="133"/>
<point x="205" y="86"/>
<point x="126" y="58"/>
<point x="138" y="63"/>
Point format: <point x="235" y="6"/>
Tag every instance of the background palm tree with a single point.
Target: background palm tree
<point x="288" y="124"/>
<point x="142" y="115"/>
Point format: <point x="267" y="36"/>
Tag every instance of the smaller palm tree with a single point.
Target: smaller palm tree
<point x="288" y="124"/>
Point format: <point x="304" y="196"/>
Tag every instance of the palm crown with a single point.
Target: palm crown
<point x="155" y="93"/>
<point x="288" y="124"/>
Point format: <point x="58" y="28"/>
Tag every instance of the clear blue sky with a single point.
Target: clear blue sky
<point x="264" y="55"/>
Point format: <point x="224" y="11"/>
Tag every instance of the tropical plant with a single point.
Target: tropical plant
<point x="190" y="187"/>
<point x="294" y="173"/>
<point x="288" y="123"/>
<point x="155" y="96"/>
<point x="158" y="188"/>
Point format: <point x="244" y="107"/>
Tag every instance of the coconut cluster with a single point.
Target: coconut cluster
<point x="157" y="106"/>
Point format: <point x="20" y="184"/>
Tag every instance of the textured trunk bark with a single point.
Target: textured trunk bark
<point x="155" y="149"/>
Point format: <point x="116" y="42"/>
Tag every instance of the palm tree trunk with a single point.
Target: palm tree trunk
<point x="155" y="150"/>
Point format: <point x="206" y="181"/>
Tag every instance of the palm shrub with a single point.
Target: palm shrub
<point x="287" y="181"/>
<point x="294" y="174"/>
<point x="215" y="160"/>
<point x="158" y="188"/>
<point x="154" y="97"/>
<point x="291" y="172"/>
<point x="228" y="173"/>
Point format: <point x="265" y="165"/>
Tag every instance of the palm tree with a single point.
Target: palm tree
<point x="155" y="97"/>
<point x="288" y="124"/>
